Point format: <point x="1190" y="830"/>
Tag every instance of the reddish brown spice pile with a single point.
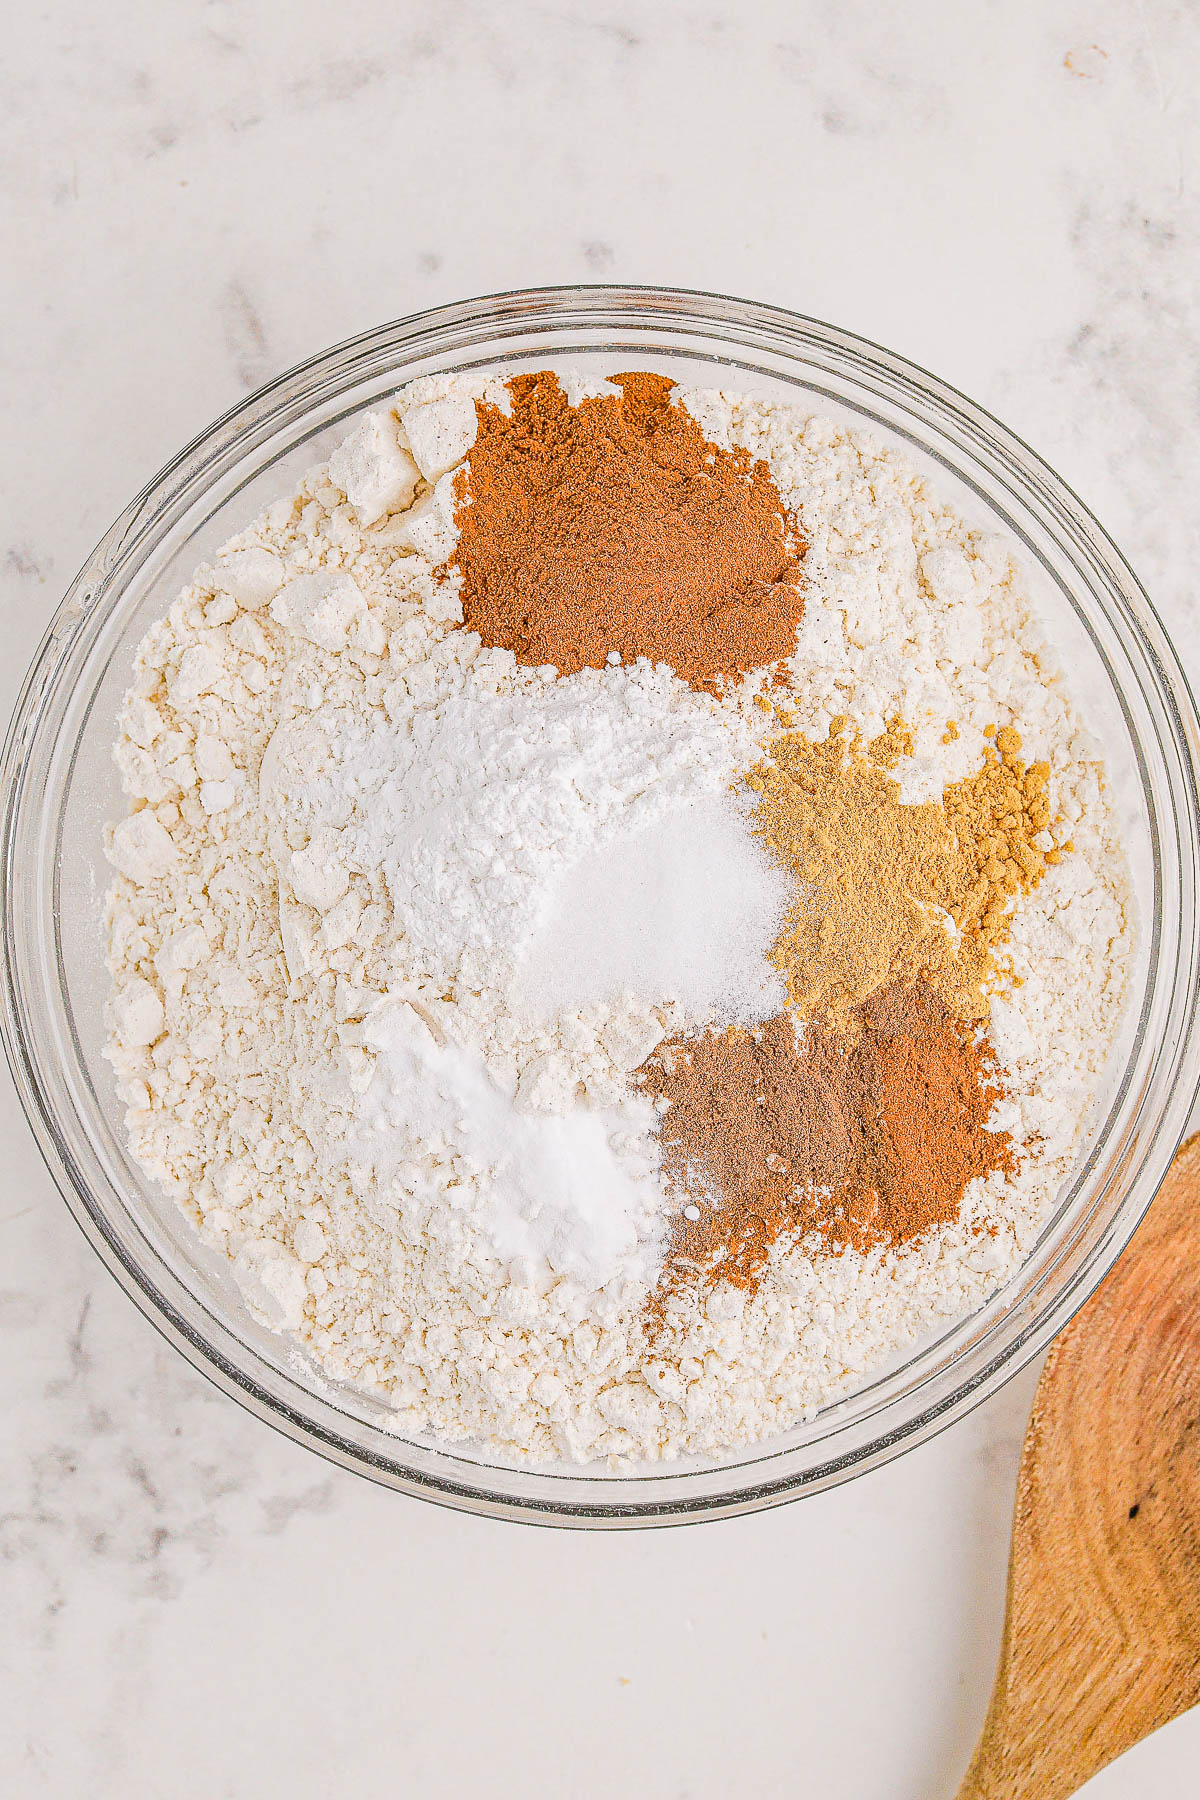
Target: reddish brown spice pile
<point x="869" y="1136"/>
<point x="615" y="525"/>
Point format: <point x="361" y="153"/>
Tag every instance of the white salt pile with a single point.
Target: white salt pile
<point x="681" y="911"/>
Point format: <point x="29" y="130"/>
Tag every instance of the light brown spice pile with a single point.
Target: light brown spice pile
<point x="867" y="1137"/>
<point x="888" y="891"/>
<point x="615" y="525"/>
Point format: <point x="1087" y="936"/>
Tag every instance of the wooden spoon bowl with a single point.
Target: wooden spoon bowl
<point x="1102" y="1634"/>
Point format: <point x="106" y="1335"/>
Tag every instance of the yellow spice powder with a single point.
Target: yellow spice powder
<point x="889" y="891"/>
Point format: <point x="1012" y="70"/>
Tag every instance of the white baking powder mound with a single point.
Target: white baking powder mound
<point x="572" y="1194"/>
<point x="684" y="911"/>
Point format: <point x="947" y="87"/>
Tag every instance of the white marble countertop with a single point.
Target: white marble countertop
<point x="194" y="198"/>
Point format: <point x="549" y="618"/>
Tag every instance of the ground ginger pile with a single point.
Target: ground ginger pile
<point x="886" y="891"/>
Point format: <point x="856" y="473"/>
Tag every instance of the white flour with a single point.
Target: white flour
<point x="352" y="1023"/>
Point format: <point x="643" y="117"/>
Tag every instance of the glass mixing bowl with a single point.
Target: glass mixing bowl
<point x="60" y="785"/>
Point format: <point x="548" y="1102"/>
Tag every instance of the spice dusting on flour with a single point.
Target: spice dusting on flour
<point x="613" y="528"/>
<point x="888" y="891"/>
<point x="618" y="924"/>
<point x="864" y="1138"/>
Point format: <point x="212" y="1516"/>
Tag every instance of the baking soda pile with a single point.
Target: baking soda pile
<point x="397" y="917"/>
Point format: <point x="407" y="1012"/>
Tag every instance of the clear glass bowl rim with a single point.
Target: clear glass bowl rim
<point x="482" y="326"/>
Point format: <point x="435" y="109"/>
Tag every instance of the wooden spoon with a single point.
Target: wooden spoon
<point x="1102" y="1636"/>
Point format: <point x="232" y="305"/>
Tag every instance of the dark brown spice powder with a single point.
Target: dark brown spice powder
<point x="869" y="1137"/>
<point x="615" y="525"/>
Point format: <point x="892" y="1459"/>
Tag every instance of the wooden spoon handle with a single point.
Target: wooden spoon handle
<point x="1011" y="1762"/>
<point x="1102" y="1631"/>
<point x="983" y="1782"/>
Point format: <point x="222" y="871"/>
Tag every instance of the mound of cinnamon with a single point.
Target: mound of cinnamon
<point x="614" y="529"/>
